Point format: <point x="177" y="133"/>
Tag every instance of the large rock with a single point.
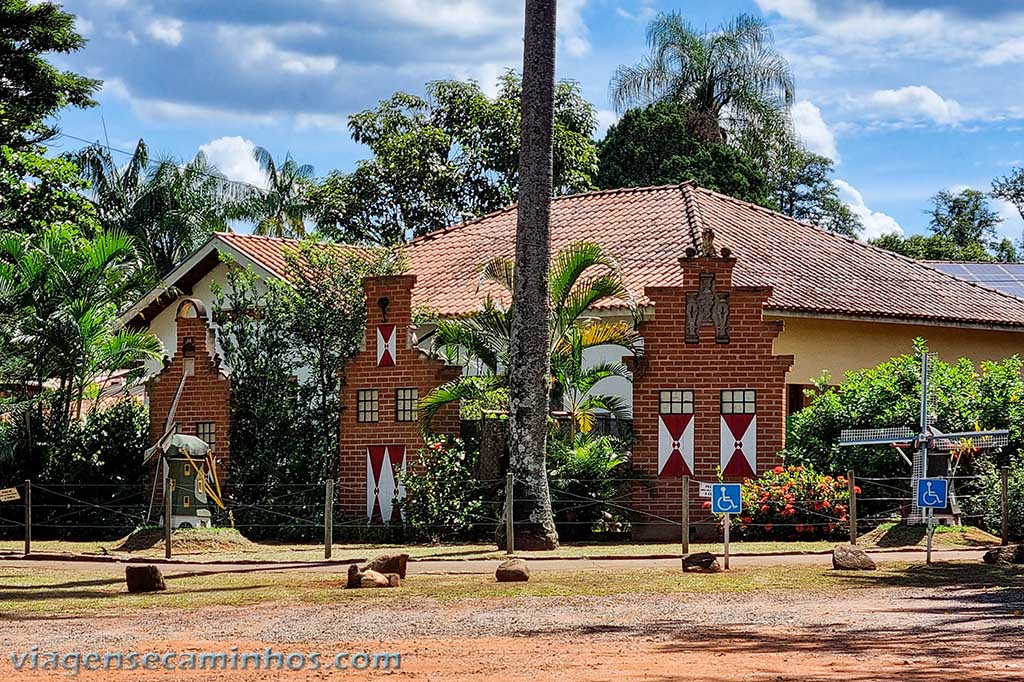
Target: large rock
<point x="388" y="563"/>
<point x="355" y="578"/>
<point x="701" y="562"/>
<point x="144" y="579"/>
<point x="373" y="579"/>
<point x="850" y="558"/>
<point x="512" y="571"/>
<point x="1011" y="554"/>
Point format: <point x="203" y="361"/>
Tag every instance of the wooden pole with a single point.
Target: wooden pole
<point x="168" y="505"/>
<point x="510" y="540"/>
<point x="851" y="482"/>
<point x="1004" y="495"/>
<point x="28" y="517"/>
<point x="686" y="515"/>
<point x="329" y="518"/>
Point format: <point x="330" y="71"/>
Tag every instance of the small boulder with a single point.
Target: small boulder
<point x="388" y="563"/>
<point x="512" y="571"/>
<point x="394" y="580"/>
<point x="701" y="562"/>
<point x="850" y="558"/>
<point x="373" y="579"/>
<point x="355" y="578"/>
<point x="1011" y="554"/>
<point x="144" y="579"/>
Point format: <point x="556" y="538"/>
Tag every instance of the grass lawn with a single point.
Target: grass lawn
<point x="63" y="591"/>
<point x="215" y="545"/>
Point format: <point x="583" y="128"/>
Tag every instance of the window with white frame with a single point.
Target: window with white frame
<point x="406" y="401"/>
<point x="675" y="401"/>
<point x="739" y="401"/>
<point x="207" y="432"/>
<point x="367" y="405"/>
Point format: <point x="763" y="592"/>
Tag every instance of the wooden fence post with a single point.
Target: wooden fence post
<point x="851" y="482"/>
<point x="168" y="505"/>
<point x="28" y="517"/>
<point x="329" y="519"/>
<point x="1004" y="495"/>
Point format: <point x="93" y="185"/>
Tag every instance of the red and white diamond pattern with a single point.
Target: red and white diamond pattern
<point x="739" y="445"/>
<point x="385" y="345"/>
<point x="382" y="482"/>
<point x="675" y="445"/>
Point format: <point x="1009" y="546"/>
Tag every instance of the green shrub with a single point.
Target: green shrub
<point x="985" y="502"/>
<point x="793" y="503"/>
<point x="585" y="473"/>
<point x="443" y="501"/>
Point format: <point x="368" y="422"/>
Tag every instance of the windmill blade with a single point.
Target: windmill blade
<point x="886" y="436"/>
<point x="978" y="440"/>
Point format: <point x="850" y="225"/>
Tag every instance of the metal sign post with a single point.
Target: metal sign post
<point x="725" y="499"/>
<point x="932" y="494"/>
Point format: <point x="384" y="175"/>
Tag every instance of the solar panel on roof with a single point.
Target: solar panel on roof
<point x="1005" y="277"/>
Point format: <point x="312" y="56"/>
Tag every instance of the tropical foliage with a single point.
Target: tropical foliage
<point x="447" y="157"/>
<point x="442" y="502"/>
<point x="169" y="209"/>
<point x="582" y="276"/>
<point x="60" y="294"/>
<point x="283" y="206"/>
<point x="731" y="79"/>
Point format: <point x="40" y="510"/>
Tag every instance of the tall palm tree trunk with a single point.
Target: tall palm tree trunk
<point x="529" y="367"/>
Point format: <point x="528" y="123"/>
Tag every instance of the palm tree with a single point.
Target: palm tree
<point x="282" y="208"/>
<point x="169" y="209"/>
<point x="582" y="277"/>
<point x="732" y="79"/>
<point x="60" y="294"/>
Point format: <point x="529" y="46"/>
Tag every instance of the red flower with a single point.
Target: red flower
<point x="856" y="489"/>
<point x="767" y="528"/>
<point x="438" y="446"/>
<point x="778" y="470"/>
<point x="765" y="508"/>
<point x="707" y="505"/>
<point x="799" y="529"/>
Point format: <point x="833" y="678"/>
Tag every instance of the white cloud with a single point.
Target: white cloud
<point x="916" y="102"/>
<point x="257" y="50"/>
<point x="571" y="28"/>
<point x="166" y="110"/>
<point x="641" y="15"/>
<point x="813" y="131"/>
<point x="233" y="156"/>
<point x="167" y="30"/>
<point x="876" y="223"/>
<point x="1011" y="50"/>
<point x="332" y="122"/>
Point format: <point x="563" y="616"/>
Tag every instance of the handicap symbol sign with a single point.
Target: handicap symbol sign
<point x="725" y="498"/>
<point x="931" y="493"/>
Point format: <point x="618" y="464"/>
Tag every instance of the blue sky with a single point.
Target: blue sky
<point x="909" y="97"/>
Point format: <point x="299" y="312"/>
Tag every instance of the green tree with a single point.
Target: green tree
<point x="37" y="192"/>
<point x="940" y="247"/>
<point x="654" y="146"/>
<point x="447" y="157"/>
<point x="60" y="294"/>
<point x="803" y="188"/>
<point x="169" y="208"/>
<point x="1011" y="188"/>
<point x="731" y="78"/>
<point x="31" y="89"/>
<point x="965" y="218"/>
<point x="281" y="210"/>
<point x="582" y="276"/>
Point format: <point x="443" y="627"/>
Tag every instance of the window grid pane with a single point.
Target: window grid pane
<point x="367" y="405"/>
<point x="207" y="432"/>
<point x="675" y="401"/>
<point x="406" y="401"/>
<point x="739" y="401"/>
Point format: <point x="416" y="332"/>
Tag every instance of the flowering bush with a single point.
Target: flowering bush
<point x="441" y="500"/>
<point x="793" y="503"/>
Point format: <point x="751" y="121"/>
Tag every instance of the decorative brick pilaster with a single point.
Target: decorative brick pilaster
<point x="373" y="453"/>
<point x="732" y="351"/>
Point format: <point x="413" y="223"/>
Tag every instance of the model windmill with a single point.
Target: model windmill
<point x="928" y="439"/>
<point x="185" y="464"/>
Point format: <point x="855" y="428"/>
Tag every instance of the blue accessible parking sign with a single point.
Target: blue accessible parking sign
<point x="725" y="498"/>
<point x="932" y="493"/>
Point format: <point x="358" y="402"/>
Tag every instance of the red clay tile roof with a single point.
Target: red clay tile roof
<point x="648" y="229"/>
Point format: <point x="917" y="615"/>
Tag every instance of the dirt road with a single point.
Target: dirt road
<point x="872" y="633"/>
